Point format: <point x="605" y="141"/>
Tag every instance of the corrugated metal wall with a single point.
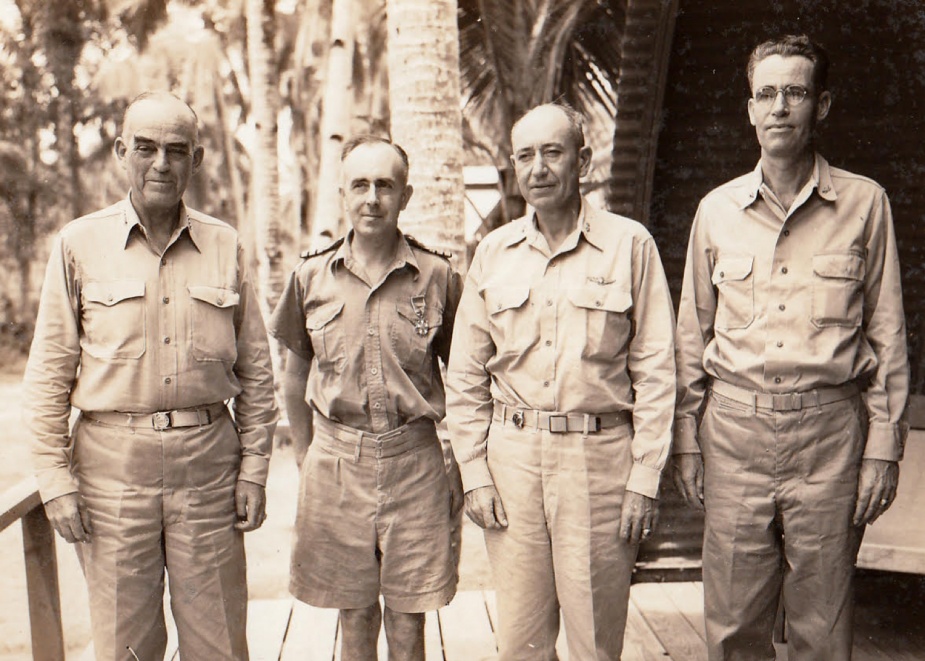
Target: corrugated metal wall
<point x="876" y="126"/>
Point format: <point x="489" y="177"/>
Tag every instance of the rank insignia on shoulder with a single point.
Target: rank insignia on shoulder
<point x="420" y="246"/>
<point x="305" y="254"/>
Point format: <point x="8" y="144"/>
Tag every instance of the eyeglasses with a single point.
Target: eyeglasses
<point x="793" y="95"/>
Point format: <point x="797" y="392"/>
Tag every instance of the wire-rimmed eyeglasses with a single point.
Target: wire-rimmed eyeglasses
<point x="793" y="94"/>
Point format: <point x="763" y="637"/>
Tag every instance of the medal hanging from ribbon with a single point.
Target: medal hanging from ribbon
<point x="420" y="325"/>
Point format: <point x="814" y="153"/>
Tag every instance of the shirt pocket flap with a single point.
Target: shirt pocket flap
<point x="846" y="266"/>
<point x="432" y="314"/>
<point x="499" y="299"/>
<point x="612" y="299"/>
<point x="732" y="268"/>
<point x="110" y="293"/>
<point x="217" y="296"/>
<point x="323" y="315"/>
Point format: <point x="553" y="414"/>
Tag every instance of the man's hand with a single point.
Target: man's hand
<point x="250" y="502"/>
<point x="687" y="472"/>
<point x="638" y="518"/>
<point x="877" y="484"/>
<point x="483" y="505"/>
<point x="457" y="499"/>
<point x="69" y="516"/>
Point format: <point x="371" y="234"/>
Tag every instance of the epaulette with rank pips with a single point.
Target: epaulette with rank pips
<point x="433" y="251"/>
<point x="305" y="254"/>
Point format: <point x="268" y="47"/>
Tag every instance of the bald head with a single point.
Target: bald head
<point x="164" y="102"/>
<point x="551" y="110"/>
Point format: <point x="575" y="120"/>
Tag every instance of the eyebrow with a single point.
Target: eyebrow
<point x="141" y="140"/>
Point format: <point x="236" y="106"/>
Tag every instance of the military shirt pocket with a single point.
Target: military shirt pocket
<point x="325" y="326"/>
<point x="212" y="332"/>
<point x="412" y="335"/>
<point x="607" y="323"/>
<point x="735" y="284"/>
<point x="510" y="324"/>
<point x="838" y="280"/>
<point x="113" y="319"/>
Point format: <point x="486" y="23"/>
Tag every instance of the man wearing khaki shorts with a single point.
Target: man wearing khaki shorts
<point x="365" y="321"/>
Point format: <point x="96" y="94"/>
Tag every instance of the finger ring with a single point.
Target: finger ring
<point x="884" y="502"/>
<point x="646" y="532"/>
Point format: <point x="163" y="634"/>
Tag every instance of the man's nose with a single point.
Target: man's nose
<point x="372" y="195"/>
<point x="161" y="162"/>
<point x="539" y="163"/>
<point x="780" y="107"/>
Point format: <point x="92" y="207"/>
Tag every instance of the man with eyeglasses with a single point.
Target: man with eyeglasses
<point x="791" y="327"/>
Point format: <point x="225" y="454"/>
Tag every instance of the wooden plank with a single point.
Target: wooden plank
<point x="433" y="644"/>
<point x="688" y="599"/>
<point x="18" y="500"/>
<point x="38" y="540"/>
<point x="677" y="635"/>
<point x="640" y="642"/>
<point x="465" y="629"/>
<point x="267" y="621"/>
<point x="311" y="634"/>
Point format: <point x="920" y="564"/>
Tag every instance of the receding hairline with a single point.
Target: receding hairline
<point x="162" y="97"/>
<point x="572" y="116"/>
<point x="372" y="141"/>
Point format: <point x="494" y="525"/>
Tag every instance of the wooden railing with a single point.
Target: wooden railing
<point x="22" y="503"/>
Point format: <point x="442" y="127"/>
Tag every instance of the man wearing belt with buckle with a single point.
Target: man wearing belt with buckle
<point x="791" y="327"/>
<point x="366" y="320"/>
<point x="148" y="323"/>
<point x="560" y="400"/>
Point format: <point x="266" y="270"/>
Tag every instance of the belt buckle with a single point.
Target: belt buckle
<point x="518" y="419"/>
<point x="161" y="420"/>
<point x="789" y="402"/>
<point x="558" y="424"/>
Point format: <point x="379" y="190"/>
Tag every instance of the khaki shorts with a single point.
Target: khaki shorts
<point x="373" y="518"/>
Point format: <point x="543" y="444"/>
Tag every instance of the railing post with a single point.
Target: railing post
<point x="38" y="541"/>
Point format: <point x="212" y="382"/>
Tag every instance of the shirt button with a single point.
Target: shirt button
<point x="164" y="261"/>
<point x="548" y="343"/>
<point x="374" y="371"/>
<point x="784" y="270"/>
<point x="777" y="379"/>
<point x="166" y="340"/>
<point x="220" y="301"/>
<point x="110" y="298"/>
<point x="166" y="299"/>
<point x="548" y="301"/>
<point x="782" y="307"/>
<point x="167" y="380"/>
<point x="545" y="384"/>
<point x="370" y="331"/>
<point x="779" y="344"/>
<point x="597" y="303"/>
<point x="786" y="232"/>
<point x="377" y="406"/>
<point x="722" y="274"/>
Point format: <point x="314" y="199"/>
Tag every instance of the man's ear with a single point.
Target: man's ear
<point x="119" y="149"/>
<point x="406" y="196"/>
<point x="751" y="112"/>
<point x="198" y="154"/>
<point x="584" y="161"/>
<point x="823" y="105"/>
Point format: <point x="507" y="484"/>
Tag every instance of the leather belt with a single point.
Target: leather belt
<point x="792" y="401"/>
<point x="560" y="423"/>
<point x="160" y="420"/>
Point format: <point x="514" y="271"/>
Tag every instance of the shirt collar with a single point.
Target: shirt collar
<point x="821" y="181"/>
<point x="403" y="254"/>
<point x="589" y="227"/>
<point x="130" y="221"/>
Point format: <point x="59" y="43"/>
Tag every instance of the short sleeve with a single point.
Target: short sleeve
<point x="287" y="323"/>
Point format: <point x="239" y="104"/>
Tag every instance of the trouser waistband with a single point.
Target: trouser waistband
<point x="161" y="420"/>
<point x="353" y="443"/>
<point x="559" y="423"/>
<point x="792" y="401"/>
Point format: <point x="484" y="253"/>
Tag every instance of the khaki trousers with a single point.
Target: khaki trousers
<point x="162" y="499"/>
<point x="563" y="495"/>
<point x="780" y="491"/>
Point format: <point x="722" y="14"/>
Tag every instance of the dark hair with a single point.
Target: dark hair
<point x="793" y="45"/>
<point x="575" y="120"/>
<point x="360" y="140"/>
<point x="154" y="95"/>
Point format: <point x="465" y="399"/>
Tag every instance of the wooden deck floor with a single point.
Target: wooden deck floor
<point x="665" y="624"/>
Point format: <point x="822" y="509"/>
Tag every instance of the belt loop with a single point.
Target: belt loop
<point x="585" y="423"/>
<point x="356" y="453"/>
<point x="754" y="403"/>
<point x="504" y="415"/>
<point x="813" y="396"/>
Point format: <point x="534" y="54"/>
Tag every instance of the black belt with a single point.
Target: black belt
<point x="160" y="420"/>
<point x="560" y="423"/>
<point x="791" y="401"/>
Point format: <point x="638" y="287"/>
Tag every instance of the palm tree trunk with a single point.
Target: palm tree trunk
<point x="426" y="119"/>
<point x="326" y="221"/>
<point x="264" y="193"/>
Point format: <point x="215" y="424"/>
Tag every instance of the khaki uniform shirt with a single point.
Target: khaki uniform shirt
<point x="121" y="328"/>
<point x="587" y="329"/>
<point x="782" y="301"/>
<point x="373" y="346"/>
